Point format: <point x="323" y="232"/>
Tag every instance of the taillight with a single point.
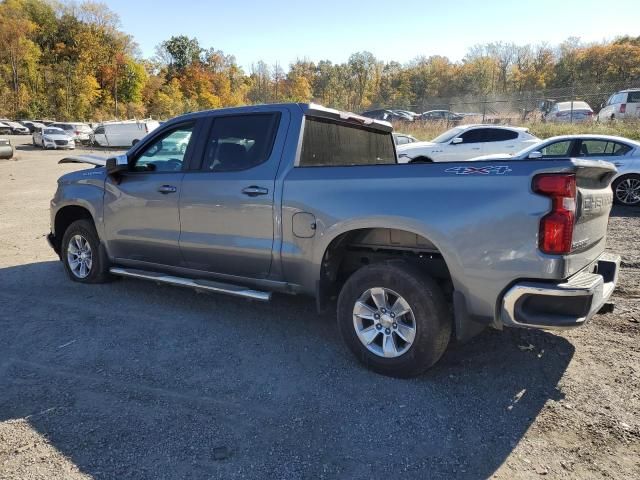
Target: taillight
<point x="77" y="132"/>
<point x="623" y="108"/>
<point x="556" y="227"/>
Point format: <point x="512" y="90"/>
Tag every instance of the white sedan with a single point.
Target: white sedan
<point x="622" y="152"/>
<point x="467" y="141"/>
<point x="55" y="138"/>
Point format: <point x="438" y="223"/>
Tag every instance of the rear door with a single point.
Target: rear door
<point x="141" y="206"/>
<point x="501" y="140"/>
<point x="227" y="201"/>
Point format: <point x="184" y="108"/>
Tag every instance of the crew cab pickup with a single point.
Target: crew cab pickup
<point x="301" y="199"/>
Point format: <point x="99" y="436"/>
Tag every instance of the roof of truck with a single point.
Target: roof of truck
<point x="311" y="109"/>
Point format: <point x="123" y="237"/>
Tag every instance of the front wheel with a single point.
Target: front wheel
<point x="80" y="254"/>
<point x="394" y="318"/>
<point x="626" y="190"/>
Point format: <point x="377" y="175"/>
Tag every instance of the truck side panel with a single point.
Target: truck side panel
<point x="484" y="225"/>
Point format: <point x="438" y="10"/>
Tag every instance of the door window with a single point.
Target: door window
<point x="557" y="149"/>
<point x="166" y="153"/>
<point x="476" y="135"/>
<point x="500" y="135"/>
<point x="240" y="142"/>
<point x="99" y="131"/>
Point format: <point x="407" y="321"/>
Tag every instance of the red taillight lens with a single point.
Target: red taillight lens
<point x="623" y="108"/>
<point x="556" y="227"/>
<point x="77" y="132"/>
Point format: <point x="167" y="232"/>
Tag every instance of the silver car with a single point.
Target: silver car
<point x="6" y="149"/>
<point x="622" y="152"/>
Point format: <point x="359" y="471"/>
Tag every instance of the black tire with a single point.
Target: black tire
<point x="99" y="270"/>
<point x="635" y="180"/>
<point x="421" y="160"/>
<point x="432" y="316"/>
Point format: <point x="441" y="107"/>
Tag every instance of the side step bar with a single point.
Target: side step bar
<point x="200" y="285"/>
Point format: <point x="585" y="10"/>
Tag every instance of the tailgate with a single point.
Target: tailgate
<point x="593" y="205"/>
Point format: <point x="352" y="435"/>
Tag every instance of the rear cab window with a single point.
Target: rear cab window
<point x="633" y="97"/>
<point x="331" y="143"/>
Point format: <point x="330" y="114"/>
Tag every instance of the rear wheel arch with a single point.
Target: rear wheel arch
<point x="356" y="248"/>
<point x="421" y="159"/>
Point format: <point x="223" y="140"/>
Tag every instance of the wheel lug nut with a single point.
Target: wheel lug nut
<point x="395" y="325"/>
<point x="387" y="331"/>
<point x="383" y="310"/>
<point x="392" y="315"/>
<point x="379" y="327"/>
<point x="376" y="316"/>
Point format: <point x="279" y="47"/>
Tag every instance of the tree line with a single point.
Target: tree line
<point x="72" y="61"/>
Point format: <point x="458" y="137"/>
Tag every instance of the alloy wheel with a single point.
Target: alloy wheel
<point x="384" y="322"/>
<point x="79" y="256"/>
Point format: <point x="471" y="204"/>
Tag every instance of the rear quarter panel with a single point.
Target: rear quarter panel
<point x="484" y="225"/>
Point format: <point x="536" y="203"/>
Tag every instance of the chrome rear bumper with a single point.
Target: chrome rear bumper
<point x="561" y="305"/>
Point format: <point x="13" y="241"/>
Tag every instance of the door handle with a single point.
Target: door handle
<point x="618" y="164"/>
<point x="254" y="191"/>
<point x="475" y="148"/>
<point x="167" y="189"/>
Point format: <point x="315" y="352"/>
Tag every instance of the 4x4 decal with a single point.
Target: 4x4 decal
<point x="488" y="170"/>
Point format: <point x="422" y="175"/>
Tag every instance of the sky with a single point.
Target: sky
<point x="285" y="30"/>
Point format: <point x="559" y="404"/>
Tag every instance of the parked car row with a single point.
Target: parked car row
<point x="409" y="116"/>
<point x="107" y="134"/>
<point x="504" y="143"/>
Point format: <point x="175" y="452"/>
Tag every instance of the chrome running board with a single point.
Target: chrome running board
<point x="199" y="285"/>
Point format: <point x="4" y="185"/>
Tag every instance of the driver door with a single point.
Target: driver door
<point x="141" y="215"/>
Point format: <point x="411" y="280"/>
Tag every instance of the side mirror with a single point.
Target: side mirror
<point x="456" y="141"/>
<point x="535" y="154"/>
<point x="116" y="165"/>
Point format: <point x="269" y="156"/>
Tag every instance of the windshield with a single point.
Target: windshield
<point x="448" y="135"/>
<point x="53" y="131"/>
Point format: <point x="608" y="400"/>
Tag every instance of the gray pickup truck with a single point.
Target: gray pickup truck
<point x="302" y="199"/>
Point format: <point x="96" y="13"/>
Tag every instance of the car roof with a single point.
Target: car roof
<point x="489" y="125"/>
<point x="592" y="136"/>
<point x="629" y="90"/>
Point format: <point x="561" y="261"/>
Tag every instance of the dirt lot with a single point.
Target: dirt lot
<point x="133" y="380"/>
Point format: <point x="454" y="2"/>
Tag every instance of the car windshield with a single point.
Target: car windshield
<point x="448" y="135"/>
<point x="53" y="131"/>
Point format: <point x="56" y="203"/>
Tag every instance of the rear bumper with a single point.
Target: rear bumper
<point x="561" y="305"/>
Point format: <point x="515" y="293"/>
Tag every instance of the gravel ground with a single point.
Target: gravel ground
<point x="134" y="380"/>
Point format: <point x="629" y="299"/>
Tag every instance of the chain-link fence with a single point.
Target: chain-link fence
<point x="523" y="106"/>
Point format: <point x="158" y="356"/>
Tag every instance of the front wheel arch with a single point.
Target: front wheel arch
<point x="421" y="159"/>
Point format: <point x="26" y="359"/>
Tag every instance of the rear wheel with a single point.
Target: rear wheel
<point x="80" y="254"/>
<point x="394" y="318"/>
<point x="626" y="190"/>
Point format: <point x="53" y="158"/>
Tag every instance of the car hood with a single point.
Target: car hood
<point x="57" y="137"/>
<point x="415" y="145"/>
<point x="96" y="160"/>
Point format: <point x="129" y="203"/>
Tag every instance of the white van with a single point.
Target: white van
<point x="122" y="134"/>
<point x="624" y="104"/>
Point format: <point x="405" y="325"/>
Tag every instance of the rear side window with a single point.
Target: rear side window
<point x="500" y="135"/>
<point x="99" y="131"/>
<point x="240" y="142"/>
<point x="633" y="97"/>
<point x="601" y="148"/>
<point x="328" y="143"/>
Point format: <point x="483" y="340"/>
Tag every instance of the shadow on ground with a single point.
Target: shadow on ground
<point x="135" y="380"/>
<point x="620" y="211"/>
